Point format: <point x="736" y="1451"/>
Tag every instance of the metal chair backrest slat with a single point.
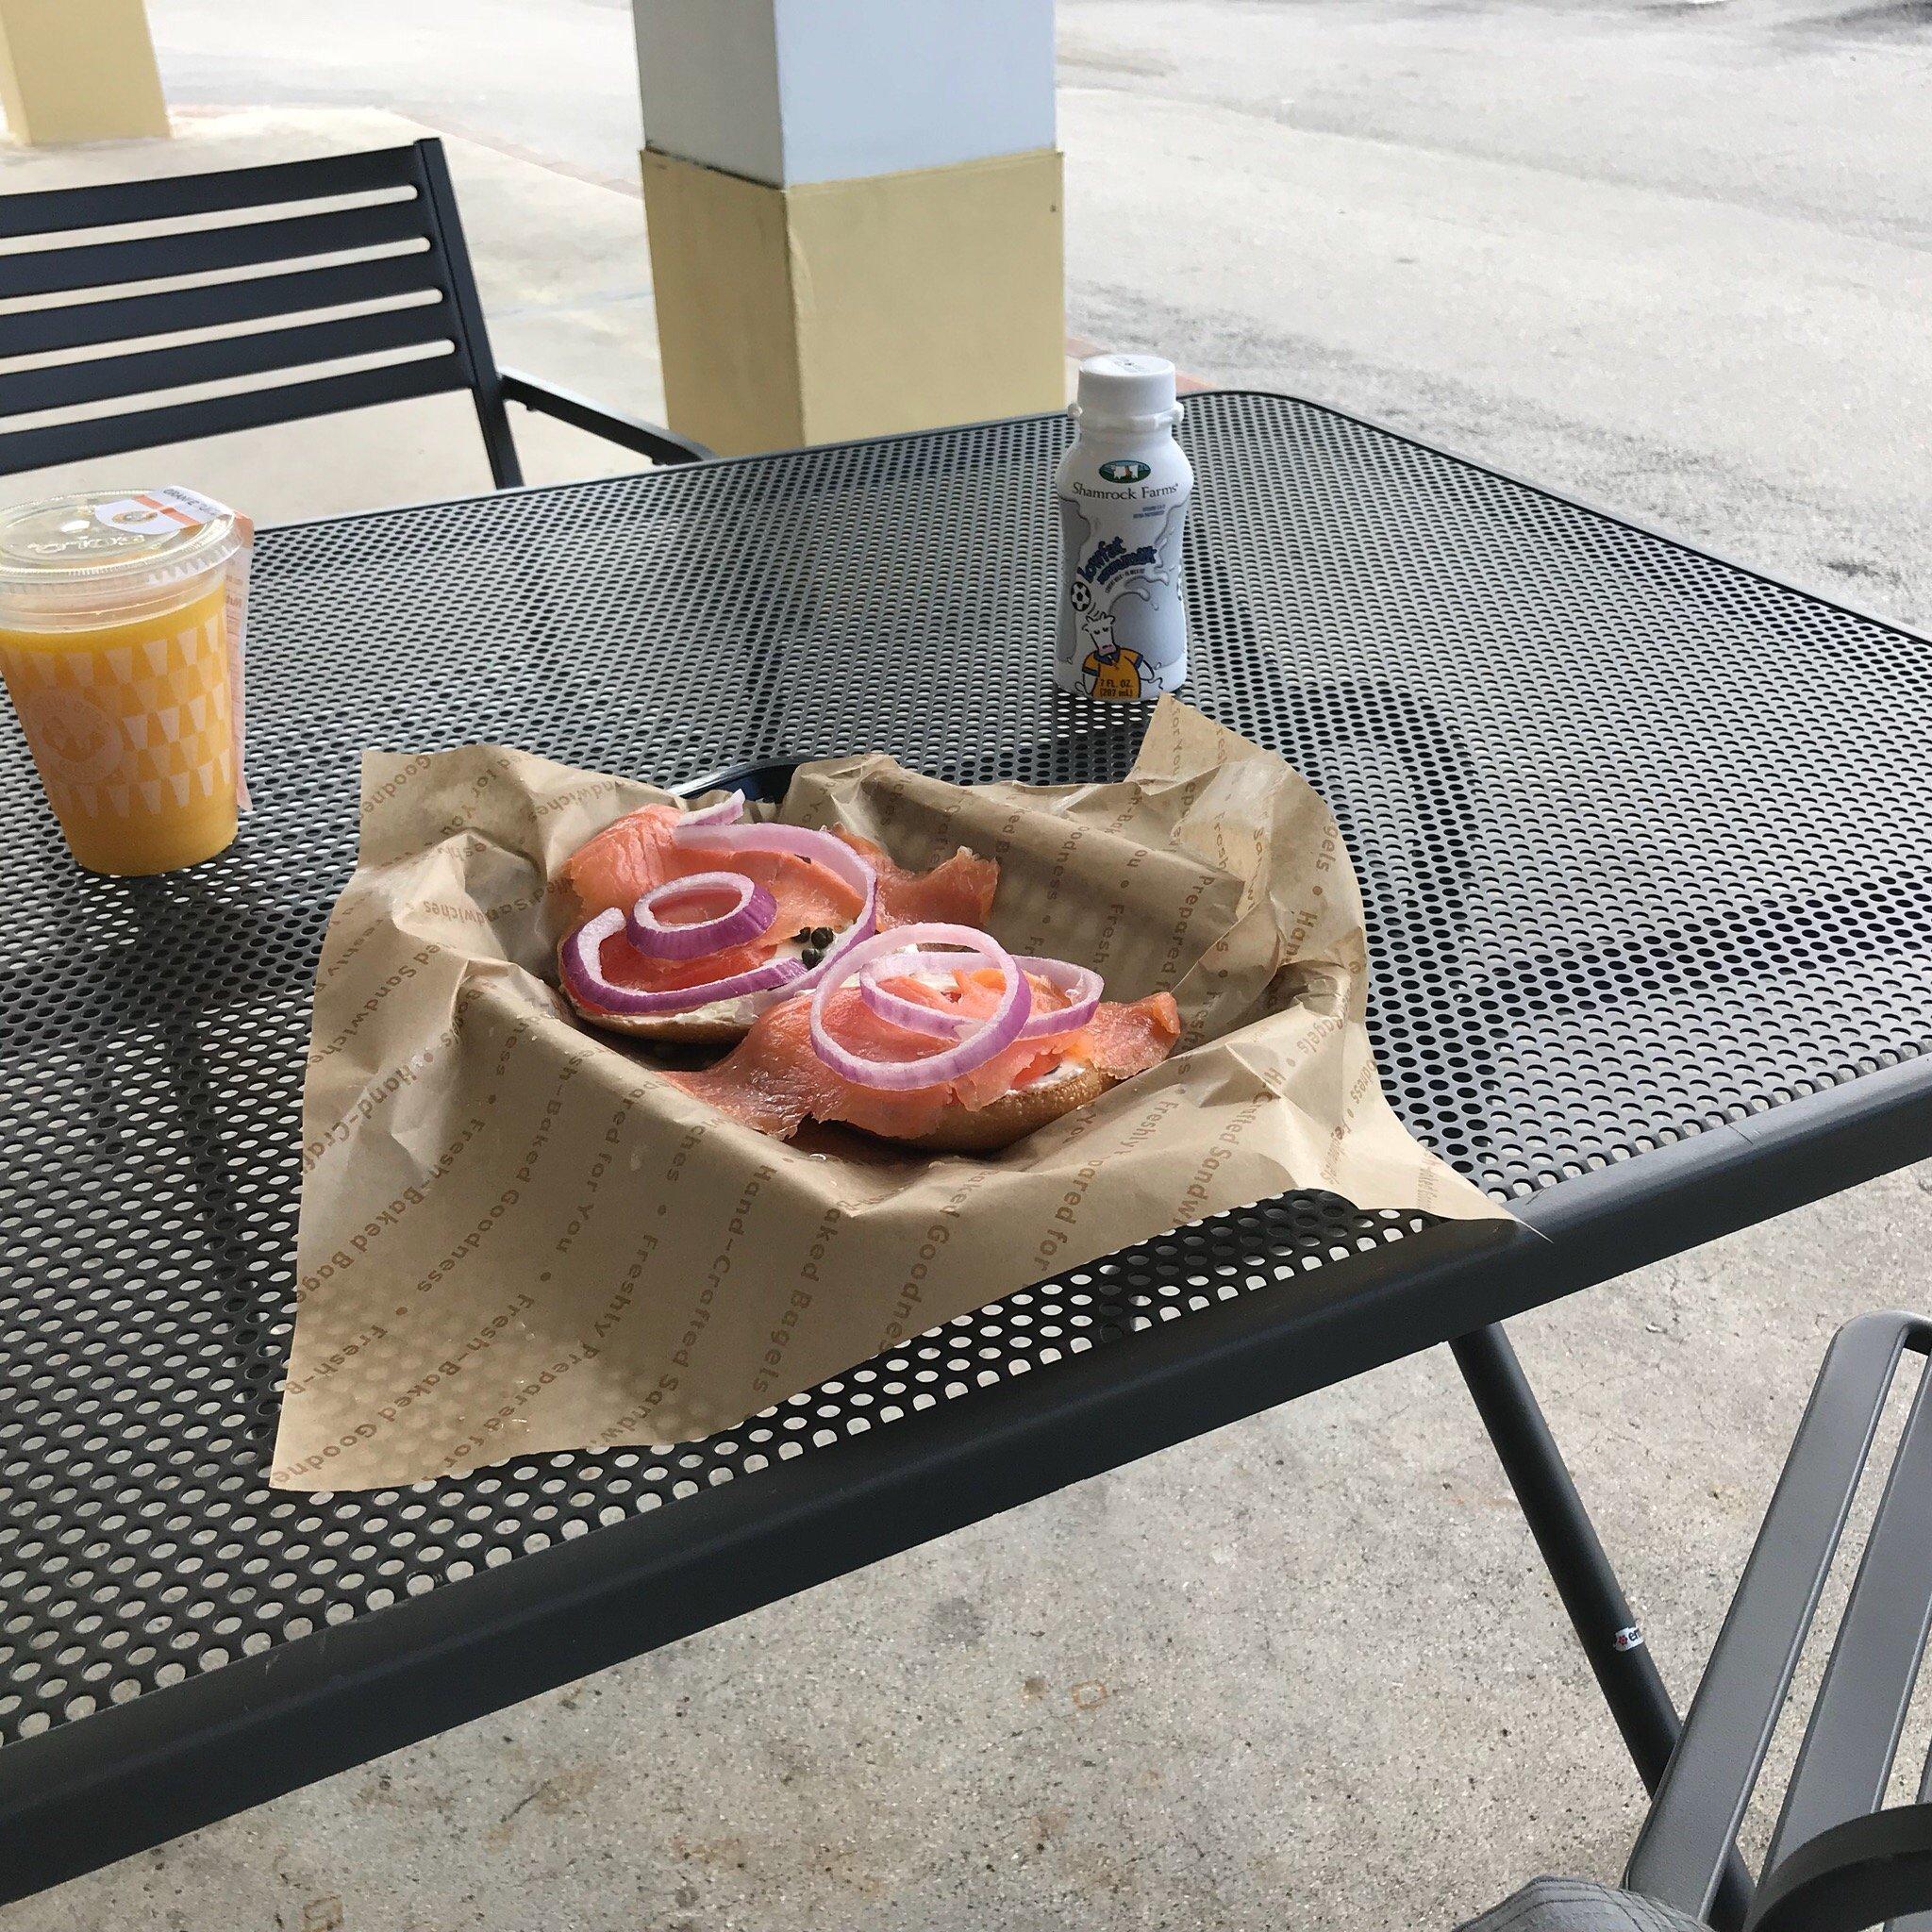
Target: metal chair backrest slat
<point x="414" y="323"/>
<point x="328" y="395"/>
<point x="216" y="305"/>
<point x="1693" y="1821"/>
<point x="1851" y="1737"/>
<point x="71" y="384"/>
<point x="166" y="197"/>
<point x="206" y="250"/>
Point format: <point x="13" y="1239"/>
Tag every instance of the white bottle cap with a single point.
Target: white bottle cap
<point x="1126" y="391"/>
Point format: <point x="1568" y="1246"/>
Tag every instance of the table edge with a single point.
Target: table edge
<point x="128" y="1777"/>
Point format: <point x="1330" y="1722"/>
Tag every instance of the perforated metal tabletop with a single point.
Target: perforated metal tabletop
<point x="1644" y="845"/>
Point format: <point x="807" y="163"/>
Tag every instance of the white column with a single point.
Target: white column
<point x="854" y="214"/>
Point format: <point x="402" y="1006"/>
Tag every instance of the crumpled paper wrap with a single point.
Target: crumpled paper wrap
<point x="516" y="1237"/>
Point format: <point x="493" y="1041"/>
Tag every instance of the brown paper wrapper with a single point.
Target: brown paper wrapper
<point x="515" y="1236"/>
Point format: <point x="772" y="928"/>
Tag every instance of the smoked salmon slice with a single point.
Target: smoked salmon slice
<point x="774" y="1079"/>
<point x="636" y="853"/>
<point x="957" y="892"/>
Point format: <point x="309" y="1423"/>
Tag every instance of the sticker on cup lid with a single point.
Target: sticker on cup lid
<point x="143" y="516"/>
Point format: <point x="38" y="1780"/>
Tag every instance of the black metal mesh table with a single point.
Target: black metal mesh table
<point x="1644" y="845"/>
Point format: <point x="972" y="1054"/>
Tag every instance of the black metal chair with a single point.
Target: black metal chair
<point x="367" y="249"/>
<point x="1835" y="1862"/>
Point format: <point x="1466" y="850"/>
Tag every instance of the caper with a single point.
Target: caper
<point x="811" y="956"/>
<point x="820" y="935"/>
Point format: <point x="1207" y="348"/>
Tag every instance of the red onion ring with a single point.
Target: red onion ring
<point x="1080" y="985"/>
<point x="727" y="812"/>
<point x="749" y="918"/>
<point x="990" y="1037"/>
<point x="796" y="842"/>
<point x="580" y="959"/>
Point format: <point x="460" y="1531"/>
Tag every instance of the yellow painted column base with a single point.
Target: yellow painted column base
<point x="842" y="309"/>
<point x="79" y="70"/>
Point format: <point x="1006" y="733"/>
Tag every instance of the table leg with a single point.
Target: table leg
<point x="1625" y="1672"/>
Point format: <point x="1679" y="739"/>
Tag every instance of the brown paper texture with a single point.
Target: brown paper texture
<point x="516" y="1237"/>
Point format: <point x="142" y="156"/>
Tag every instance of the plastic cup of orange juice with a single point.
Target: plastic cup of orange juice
<point x="114" y="644"/>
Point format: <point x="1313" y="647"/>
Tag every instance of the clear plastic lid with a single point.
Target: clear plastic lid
<point x="104" y="556"/>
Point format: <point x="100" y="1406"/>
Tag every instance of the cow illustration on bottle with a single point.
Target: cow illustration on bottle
<point x="1107" y="580"/>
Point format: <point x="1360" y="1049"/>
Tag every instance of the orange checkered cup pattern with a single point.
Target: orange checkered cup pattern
<point x="126" y="699"/>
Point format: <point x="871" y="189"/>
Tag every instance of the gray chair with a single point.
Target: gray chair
<point x="1836" y="1862"/>
<point x="354" y="258"/>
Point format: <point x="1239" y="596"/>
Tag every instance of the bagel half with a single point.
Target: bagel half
<point x="1012" y="1117"/>
<point x="701" y="1027"/>
<point x="723" y="1023"/>
<point x="961" y="1129"/>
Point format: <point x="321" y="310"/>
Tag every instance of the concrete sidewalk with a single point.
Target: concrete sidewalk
<point x="1304" y="1672"/>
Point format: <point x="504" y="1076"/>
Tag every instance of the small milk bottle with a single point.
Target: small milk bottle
<point x="1124" y="487"/>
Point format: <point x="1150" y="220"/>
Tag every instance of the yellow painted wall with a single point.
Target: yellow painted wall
<point x="842" y="308"/>
<point x="79" y="70"/>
